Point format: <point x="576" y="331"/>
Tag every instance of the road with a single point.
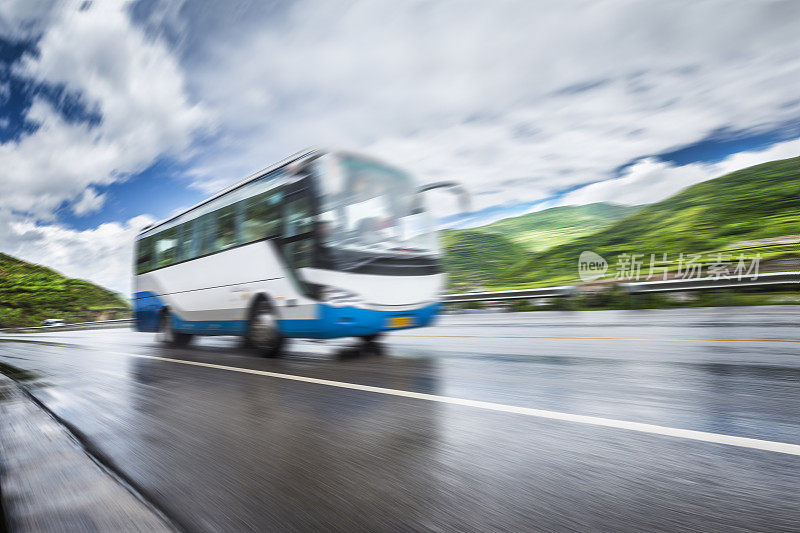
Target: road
<point x="468" y="425"/>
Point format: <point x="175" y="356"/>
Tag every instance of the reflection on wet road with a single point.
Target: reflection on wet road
<point x="220" y="449"/>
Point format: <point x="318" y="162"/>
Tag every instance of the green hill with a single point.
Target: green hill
<point x="476" y="258"/>
<point x="544" y="229"/>
<point x="481" y="257"/>
<point x="31" y="293"/>
<point x="754" y="203"/>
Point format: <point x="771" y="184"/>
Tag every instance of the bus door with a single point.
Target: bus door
<point x="297" y="239"/>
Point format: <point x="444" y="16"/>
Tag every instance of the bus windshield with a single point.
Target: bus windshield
<point x="371" y="210"/>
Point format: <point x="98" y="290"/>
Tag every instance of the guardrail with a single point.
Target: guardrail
<point x="694" y="284"/>
<point x="98" y="324"/>
<point x="699" y="284"/>
<point x="672" y="285"/>
<point x="520" y="294"/>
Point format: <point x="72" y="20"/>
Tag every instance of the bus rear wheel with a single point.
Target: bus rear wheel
<point x="262" y="331"/>
<point x="167" y="334"/>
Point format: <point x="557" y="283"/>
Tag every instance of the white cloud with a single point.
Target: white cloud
<point x="103" y="255"/>
<point x="89" y="202"/>
<point x="645" y="181"/>
<point x="24" y="18"/>
<point x="517" y="99"/>
<point x="650" y="180"/>
<point x="134" y="83"/>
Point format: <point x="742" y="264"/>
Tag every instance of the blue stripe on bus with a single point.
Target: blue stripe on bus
<point x="146" y="309"/>
<point x="334" y="322"/>
<point x="331" y="321"/>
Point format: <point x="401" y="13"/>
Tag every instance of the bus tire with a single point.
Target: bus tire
<point x="262" y="330"/>
<point x="370" y="344"/>
<point x="167" y="334"/>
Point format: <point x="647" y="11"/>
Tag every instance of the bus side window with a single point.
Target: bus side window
<point x="205" y="233"/>
<point x="144" y="254"/>
<point x="261" y="219"/>
<point x="184" y="242"/>
<point x="166" y="245"/>
<point x="297" y="218"/>
<point x="226" y="228"/>
<point x="240" y="207"/>
<point x="194" y="230"/>
<point x="299" y="253"/>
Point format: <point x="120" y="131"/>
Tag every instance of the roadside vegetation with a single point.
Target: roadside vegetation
<point x="31" y="293"/>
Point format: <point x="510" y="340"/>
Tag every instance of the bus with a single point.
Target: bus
<point x="323" y="244"/>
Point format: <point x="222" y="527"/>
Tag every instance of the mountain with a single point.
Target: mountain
<point x="476" y="258"/>
<point x="543" y="229"/>
<point x="481" y="257"/>
<point x="758" y="202"/>
<point x="31" y="293"/>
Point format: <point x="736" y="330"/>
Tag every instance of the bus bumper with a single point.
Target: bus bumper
<point x="332" y="322"/>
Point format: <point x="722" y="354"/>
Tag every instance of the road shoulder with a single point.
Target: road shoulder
<point x="49" y="483"/>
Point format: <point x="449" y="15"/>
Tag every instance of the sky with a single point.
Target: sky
<point x="116" y="114"/>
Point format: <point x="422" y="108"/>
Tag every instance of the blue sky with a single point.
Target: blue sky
<point x="113" y="114"/>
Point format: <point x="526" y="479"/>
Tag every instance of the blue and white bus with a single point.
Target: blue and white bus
<point x="323" y="244"/>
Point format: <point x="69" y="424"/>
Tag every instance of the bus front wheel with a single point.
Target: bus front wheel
<point x="167" y="334"/>
<point x="370" y="344"/>
<point x="263" y="334"/>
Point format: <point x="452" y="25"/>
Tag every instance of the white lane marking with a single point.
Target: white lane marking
<point x="703" y="436"/>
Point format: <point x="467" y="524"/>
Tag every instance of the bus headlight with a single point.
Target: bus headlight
<point x="338" y="297"/>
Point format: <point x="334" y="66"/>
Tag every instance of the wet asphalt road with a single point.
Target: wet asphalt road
<point x="225" y="450"/>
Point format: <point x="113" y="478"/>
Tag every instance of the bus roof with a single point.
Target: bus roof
<point x="304" y="154"/>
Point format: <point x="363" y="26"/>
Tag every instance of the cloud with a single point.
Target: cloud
<point x="134" y="83"/>
<point x="22" y="19"/>
<point x="103" y="255"/>
<point x="137" y="87"/>
<point x="89" y="202"/>
<point x="651" y="180"/>
<point x="520" y="100"/>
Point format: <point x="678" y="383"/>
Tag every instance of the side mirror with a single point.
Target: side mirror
<point x="464" y="199"/>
